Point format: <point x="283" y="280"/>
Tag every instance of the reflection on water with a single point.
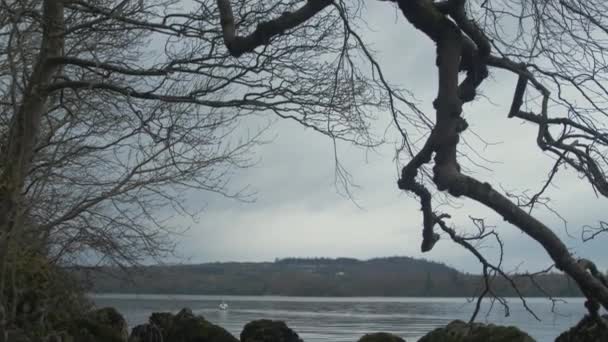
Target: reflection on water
<point x="347" y="319"/>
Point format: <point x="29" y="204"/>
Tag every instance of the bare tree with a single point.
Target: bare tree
<point x="556" y="49"/>
<point x="112" y="111"/>
<point x="540" y="51"/>
<point x="113" y="106"/>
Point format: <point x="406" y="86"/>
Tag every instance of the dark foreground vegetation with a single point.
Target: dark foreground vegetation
<point x="54" y="308"/>
<point x="394" y="276"/>
<point x="107" y="325"/>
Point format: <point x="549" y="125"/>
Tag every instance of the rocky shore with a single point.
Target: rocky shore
<point x="108" y="325"/>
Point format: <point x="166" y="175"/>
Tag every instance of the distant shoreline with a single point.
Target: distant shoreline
<point x="320" y="277"/>
<point x="279" y="298"/>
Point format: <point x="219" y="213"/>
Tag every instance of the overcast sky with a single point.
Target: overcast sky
<point x="298" y="212"/>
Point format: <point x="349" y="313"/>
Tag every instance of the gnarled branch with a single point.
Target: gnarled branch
<point x="238" y="45"/>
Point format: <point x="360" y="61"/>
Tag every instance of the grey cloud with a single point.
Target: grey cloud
<point x="299" y="213"/>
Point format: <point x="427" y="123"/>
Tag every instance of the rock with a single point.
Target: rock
<point x="265" y="330"/>
<point x="17" y="336"/>
<point x="459" y="331"/>
<point x="59" y="337"/>
<point x="102" y="325"/>
<point x="2" y="316"/>
<point x="112" y="319"/>
<point x="54" y="338"/>
<point x="187" y="327"/>
<point x="185" y="313"/>
<point x="163" y="321"/>
<point x="587" y="330"/>
<point x="381" y="337"/>
<point x="146" y="333"/>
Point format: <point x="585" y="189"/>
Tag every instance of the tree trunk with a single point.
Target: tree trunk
<point x="23" y="131"/>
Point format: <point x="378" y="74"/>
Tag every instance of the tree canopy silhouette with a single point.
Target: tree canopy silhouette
<point x="111" y="110"/>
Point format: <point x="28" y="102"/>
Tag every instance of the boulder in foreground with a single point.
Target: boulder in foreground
<point x="381" y="337"/>
<point x="101" y="325"/>
<point x="265" y="330"/>
<point x="587" y="330"/>
<point x="459" y="331"/>
<point x="187" y="327"/>
<point x="146" y="333"/>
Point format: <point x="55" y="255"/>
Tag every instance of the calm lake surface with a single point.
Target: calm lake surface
<point x="325" y="319"/>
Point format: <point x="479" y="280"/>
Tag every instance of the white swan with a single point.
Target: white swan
<point x="223" y="306"/>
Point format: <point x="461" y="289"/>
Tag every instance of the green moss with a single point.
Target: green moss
<point x="49" y="301"/>
<point x="187" y="327"/>
<point x="381" y="337"/>
<point x="459" y="331"/>
<point x="86" y="330"/>
<point x="265" y="330"/>
<point x="102" y="325"/>
<point x="587" y="330"/>
<point x="163" y="320"/>
<point x="498" y="334"/>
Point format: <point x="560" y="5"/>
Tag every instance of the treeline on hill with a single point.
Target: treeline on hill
<point x="392" y="276"/>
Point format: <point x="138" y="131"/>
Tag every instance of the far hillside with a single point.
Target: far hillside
<point x="391" y="276"/>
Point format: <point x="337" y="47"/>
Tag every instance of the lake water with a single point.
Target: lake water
<point x="347" y="319"/>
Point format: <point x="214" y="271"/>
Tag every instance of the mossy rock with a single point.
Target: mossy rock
<point x="186" y="327"/>
<point x="185" y="313"/>
<point x="265" y="330"/>
<point x="146" y="333"/>
<point x="60" y="337"/>
<point x="381" y="337"/>
<point x="102" y="325"/>
<point x="17" y="336"/>
<point x="162" y="320"/>
<point x="587" y="330"/>
<point x="459" y="331"/>
<point x="111" y="318"/>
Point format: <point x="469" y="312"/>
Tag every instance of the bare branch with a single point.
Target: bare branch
<point x="238" y="45"/>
